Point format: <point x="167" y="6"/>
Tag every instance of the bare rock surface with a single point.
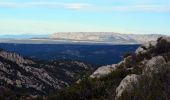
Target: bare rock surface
<point x="103" y="71"/>
<point x="15" y="58"/>
<point x="38" y="78"/>
<point x="127" y="84"/>
<point x="153" y="64"/>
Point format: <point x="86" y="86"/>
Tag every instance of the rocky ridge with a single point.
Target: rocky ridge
<point x="84" y="38"/>
<point x="150" y="62"/>
<point x="104" y="37"/>
<point x="38" y="77"/>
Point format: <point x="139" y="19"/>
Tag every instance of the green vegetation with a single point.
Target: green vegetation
<point x="127" y="54"/>
<point x="11" y="95"/>
<point x="93" y="89"/>
<point x="101" y="88"/>
<point x="162" y="46"/>
<point x="151" y="88"/>
<point x="8" y="95"/>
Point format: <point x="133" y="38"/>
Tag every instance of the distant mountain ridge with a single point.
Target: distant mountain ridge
<point x="24" y="36"/>
<point x="105" y="37"/>
<point x="80" y="37"/>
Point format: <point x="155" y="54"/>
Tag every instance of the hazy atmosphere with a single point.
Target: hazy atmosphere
<point x="49" y="16"/>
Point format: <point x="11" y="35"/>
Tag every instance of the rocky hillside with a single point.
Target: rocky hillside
<point x="143" y="75"/>
<point x="25" y="76"/>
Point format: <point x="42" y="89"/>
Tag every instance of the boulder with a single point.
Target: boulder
<point x="167" y="39"/>
<point x="153" y="65"/>
<point x="103" y="71"/>
<point x="127" y="84"/>
<point x="146" y="47"/>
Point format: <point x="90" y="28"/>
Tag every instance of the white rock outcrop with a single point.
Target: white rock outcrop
<point x="15" y="58"/>
<point x="145" y="47"/>
<point x="103" y="71"/>
<point x="127" y="84"/>
<point x="165" y="38"/>
<point x="153" y="65"/>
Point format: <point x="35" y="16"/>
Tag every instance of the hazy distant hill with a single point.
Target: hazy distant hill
<point x="80" y="37"/>
<point x="105" y="37"/>
<point x="24" y="36"/>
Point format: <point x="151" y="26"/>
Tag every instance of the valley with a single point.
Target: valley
<point x="98" y="54"/>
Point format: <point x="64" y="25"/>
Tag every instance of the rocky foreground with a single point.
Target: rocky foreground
<point x="143" y="75"/>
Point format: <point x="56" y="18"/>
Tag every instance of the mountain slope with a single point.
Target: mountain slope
<point x="38" y="77"/>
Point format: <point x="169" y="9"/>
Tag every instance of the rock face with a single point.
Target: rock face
<point x="15" y="58"/>
<point x="143" y="49"/>
<point x="155" y="58"/>
<point x="103" y="71"/>
<point x="127" y="84"/>
<point x="35" y="77"/>
<point x="154" y="64"/>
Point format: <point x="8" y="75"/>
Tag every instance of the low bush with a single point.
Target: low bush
<point x="92" y="89"/>
<point x="151" y="88"/>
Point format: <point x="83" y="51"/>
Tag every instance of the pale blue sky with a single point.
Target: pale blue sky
<point x="49" y="16"/>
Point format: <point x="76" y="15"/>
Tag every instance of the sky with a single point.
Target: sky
<point x="50" y="16"/>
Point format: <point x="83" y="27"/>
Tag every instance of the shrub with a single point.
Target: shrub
<point x="127" y="54"/>
<point x="92" y="89"/>
<point x="162" y="46"/>
<point x="151" y="88"/>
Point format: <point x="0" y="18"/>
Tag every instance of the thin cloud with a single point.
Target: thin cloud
<point x="77" y="6"/>
<point x="88" y="7"/>
<point x="44" y="5"/>
<point x="142" y="8"/>
<point x="133" y="8"/>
